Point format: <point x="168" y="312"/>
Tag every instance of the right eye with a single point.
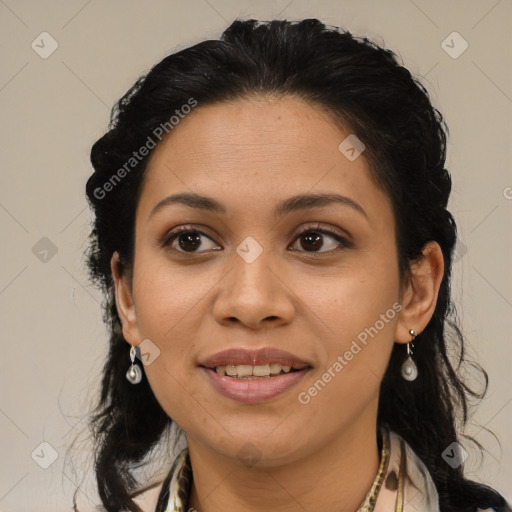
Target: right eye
<point x="188" y="239"/>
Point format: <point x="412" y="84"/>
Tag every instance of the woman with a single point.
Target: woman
<point x="272" y="238"/>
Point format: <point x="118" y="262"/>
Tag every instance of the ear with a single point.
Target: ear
<point x="420" y="297"/>
<point x="124" y="301"/>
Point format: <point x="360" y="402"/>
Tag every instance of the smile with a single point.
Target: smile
<point x="247" y="371"/>
<point x="251" y="376"/>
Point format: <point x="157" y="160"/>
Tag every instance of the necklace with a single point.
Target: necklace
<point x="369" y="502"/>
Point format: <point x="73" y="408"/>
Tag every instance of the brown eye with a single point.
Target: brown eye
<point x="312" y="240"/>
<point x="187" y="239"/>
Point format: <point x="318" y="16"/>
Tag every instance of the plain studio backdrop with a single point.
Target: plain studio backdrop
<point x="64" y="64"/>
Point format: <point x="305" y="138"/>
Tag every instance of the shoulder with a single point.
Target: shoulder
<point x="418" y="477"/>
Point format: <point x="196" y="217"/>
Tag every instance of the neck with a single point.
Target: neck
<point x="335" y="478"/>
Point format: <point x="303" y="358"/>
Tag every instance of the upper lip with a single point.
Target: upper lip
<point x="265" y="355"/>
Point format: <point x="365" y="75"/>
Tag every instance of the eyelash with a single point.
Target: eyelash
<point x="318" y="228"/>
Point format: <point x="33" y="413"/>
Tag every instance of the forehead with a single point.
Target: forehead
<point x="257" y="151"/>
<point x="263" y="126"/>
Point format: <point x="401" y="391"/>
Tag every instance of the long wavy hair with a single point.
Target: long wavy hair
<point x="362" y="86"/>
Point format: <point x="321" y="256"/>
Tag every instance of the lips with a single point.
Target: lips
<point x="251" y="376"/>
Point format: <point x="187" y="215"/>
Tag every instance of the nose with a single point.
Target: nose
<point x="254" y="294"/>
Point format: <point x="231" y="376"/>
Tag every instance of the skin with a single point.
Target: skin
<point x="249" y="155"/>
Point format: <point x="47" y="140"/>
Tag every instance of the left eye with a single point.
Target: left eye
<point x="313" y="237"/>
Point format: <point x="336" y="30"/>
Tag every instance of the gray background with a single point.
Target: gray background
<point x="54" y="108"/>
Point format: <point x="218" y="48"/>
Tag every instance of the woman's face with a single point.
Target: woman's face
<point x="246" y="279"/>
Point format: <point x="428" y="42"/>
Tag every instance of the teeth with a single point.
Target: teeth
<point x="275" y="368"/>
<point x="247" y="370"/>
<point x="262" y="370"/>
<point x="230" y="370"/>
<point x="243" y="370"/>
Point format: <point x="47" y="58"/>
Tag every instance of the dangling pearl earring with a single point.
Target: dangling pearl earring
<point x="134" y="373"/>
<point x="409" y="368"/>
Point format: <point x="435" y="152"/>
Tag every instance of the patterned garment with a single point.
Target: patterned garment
<point x="402" y="484"/>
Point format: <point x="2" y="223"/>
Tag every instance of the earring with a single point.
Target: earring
<point x="409" y="368"/>
<point x="134" y="373"/>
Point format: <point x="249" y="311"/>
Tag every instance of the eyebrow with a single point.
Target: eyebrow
<point x="294" y="203"/>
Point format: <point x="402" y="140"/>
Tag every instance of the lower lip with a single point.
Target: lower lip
<point x="253" y="391"/>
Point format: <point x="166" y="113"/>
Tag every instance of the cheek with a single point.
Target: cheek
<point x="169" y="304"/>
<point x="358" y="309"/>
<point x="352" y="297"/>
<point x="166" y="297"/>
<point x="354" y="361"/>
